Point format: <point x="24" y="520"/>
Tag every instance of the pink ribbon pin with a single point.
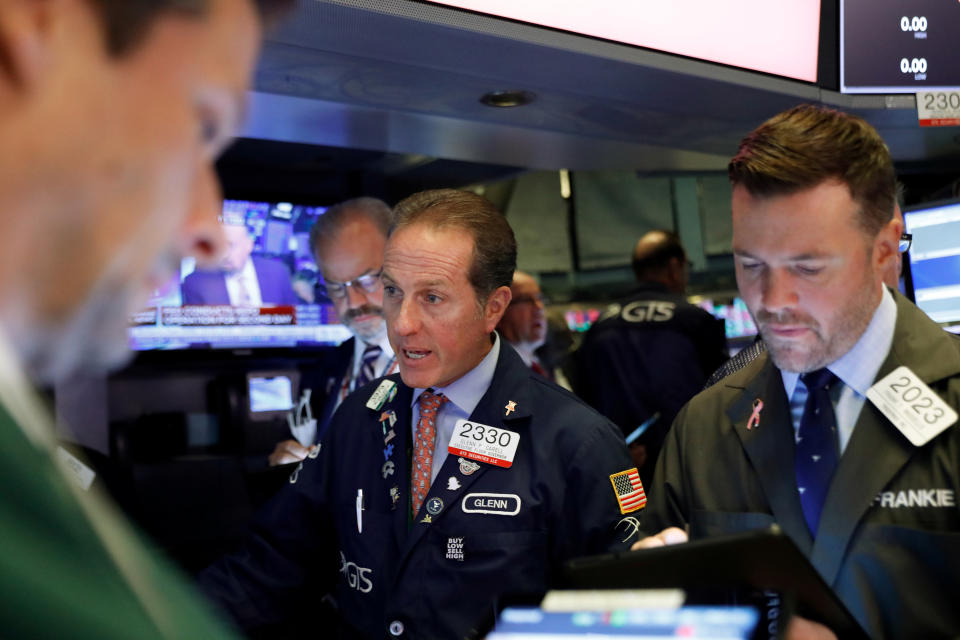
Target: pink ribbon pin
<point x="754" y="420"/>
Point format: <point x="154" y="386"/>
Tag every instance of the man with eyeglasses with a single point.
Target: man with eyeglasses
<point x="649" y="353"/>
<point x="844" y="432"/>
<point x="524" y="323"/>
<point x="348" y="242"/>
<point x="240" y="278"/>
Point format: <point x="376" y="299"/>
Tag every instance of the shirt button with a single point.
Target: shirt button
<point x="396" y="628"/>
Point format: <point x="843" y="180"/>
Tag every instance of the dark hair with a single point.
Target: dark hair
<point x="494" y="245"/>
<point x="650" y="258"/>
<point x="126" y="22"/>
<point x="809" y="144"/>
<point x="329" y="224"/>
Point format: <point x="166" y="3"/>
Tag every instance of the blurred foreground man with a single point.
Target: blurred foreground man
<point x="844" y="432"/>
<point x="347" y="242"/>
<point x="111" y="114"/>
<point x="464" y="477"/>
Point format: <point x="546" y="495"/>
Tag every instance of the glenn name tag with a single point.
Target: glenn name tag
<point x="911" y="406"/>
<point x="484" y="443"/>
<point x="497" y="504"/>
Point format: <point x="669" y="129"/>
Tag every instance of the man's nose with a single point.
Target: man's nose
<point x="201" y="235"/>
<point x="356" y="295"/>
<point x="406" y="321"/>
<point x="778" y="291"/>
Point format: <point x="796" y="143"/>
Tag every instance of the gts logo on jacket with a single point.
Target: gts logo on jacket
<point x="642" y="311"/>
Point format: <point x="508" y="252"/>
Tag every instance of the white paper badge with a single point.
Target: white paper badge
<point x="484" y="443"/>
<point x="381" y="394"/>
<point x="911" y="406"/>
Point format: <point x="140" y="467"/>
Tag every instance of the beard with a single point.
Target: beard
<point x="823" y="344"/>
<point x="367" y="330"/>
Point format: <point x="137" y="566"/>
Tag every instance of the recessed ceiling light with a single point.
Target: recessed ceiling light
<point x="507" y="98"/>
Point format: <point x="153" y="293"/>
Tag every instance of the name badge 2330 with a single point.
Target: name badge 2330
<point x="484" y="443"/>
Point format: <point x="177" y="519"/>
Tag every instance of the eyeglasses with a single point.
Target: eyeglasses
<point x="542" y="299"/>
<point x="906" y="239"/>
<point x="368" y="282"/>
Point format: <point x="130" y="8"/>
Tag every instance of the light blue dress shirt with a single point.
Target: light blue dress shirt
<point x="857" y="369"/>
<point x="463" y="395"/>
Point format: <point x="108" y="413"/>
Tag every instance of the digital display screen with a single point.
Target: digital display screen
<point x="263" y="293"/>
<point x="737" y="321"/>
<point x="579" y="320"/>
<point x="273" y="393"/>
<point x="935" y="258"/>
<point x="779" y="38"/>
<point x="531" y="623"/>
<point x="892" y="46"/>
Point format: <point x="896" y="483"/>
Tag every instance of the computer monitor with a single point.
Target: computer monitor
<point x="199" y="307"/>
<point x="934" y="258"/>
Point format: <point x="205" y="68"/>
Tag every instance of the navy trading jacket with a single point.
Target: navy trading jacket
<point x="490" y="531"/>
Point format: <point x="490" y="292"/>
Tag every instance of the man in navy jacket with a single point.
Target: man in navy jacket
<point x="517" y="475"/>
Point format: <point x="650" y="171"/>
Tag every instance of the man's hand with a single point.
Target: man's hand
<point x="670" y="535"/>
<point x="288" y="451"/>
<point x="803" y="629"/>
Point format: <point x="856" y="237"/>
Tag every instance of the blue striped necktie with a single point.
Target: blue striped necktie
<point x="367" y="365"/>
<point x="816" y="454"/>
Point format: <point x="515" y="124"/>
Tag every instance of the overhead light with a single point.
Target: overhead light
<point x="507" y="98"/>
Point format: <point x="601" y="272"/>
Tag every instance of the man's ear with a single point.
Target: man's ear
<point x="886" y="244"/>
<point x="497" y="303"/>
<point x="25" y="30"/>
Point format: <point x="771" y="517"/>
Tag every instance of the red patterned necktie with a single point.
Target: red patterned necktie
<point x="426" y="438"/>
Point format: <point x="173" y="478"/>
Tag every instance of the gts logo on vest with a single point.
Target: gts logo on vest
<point x="357" y="577"/>
<point x="916" y="498"/>
<point x="648" y="311"/>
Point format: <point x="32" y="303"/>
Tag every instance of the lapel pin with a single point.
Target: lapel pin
<point x="426" y="519"/>
<point x="453" y="484"/>
<point x="755" y="416"/>
<point x="388" y="452"/>
<point x="394" y="496"/>
<point x="434" y="506"/>
<point x="467" y="467"/>
<point x="387" y="469"/>
<point x="511" y="407"/>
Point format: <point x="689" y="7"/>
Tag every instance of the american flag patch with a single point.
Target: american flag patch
<point x="629" y="490"/>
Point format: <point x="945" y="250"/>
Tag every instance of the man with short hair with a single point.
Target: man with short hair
<point x="465" y="477"/>
<point x="843" y="431"/>
<point x="649" y="353"/>
<point x="111" y="115"/>
<point x="240" y="279"/>
<point x="524" y="323"/>
<point x="347" y="242"/>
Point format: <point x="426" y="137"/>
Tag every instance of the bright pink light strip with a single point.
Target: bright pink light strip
<point x="772" y="36"/>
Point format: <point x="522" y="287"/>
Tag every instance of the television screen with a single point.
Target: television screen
<point x="780" y="37"/>
<point x="935" y="258"/>
<point x="737" y="320"/>
<point x="264" y="293"/>
<point x="892" y="46"/>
